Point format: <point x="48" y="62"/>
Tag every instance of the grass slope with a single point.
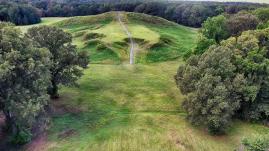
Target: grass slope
<point x="157" y="39"/>
<point x="44" y="21"/>
<point x="120" y="107"/>
<point x="134" y="108"/>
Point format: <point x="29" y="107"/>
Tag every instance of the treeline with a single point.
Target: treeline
<point x="226" y="76"/>
<point x="19" y="14"/>
<point x="32" y="66"/>
<point x="186" y="13"/>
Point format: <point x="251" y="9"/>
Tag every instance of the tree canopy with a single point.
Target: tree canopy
<point x="187" y="13"/>
<point x="24" y="78"/>
<point x="21" y="14"/>
<point x="227" y="81"/>
<point x="67" y="62"/>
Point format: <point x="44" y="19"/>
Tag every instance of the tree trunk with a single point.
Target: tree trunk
<point x="53" y="90"/>
<point x="12" y="128"/>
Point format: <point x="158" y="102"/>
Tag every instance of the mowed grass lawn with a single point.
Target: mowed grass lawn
<point x="122" y="107"/>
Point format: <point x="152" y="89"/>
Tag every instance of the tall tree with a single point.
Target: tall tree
<point x="228" y="80"/>
<point x="24" y="78"/>
<point x="215" y="28"/>
<point x="67" y="62"/>
<point x="262" y="14"/>
<point x="240" y="22"/>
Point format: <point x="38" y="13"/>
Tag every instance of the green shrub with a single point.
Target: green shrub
<point x="22" y="137"/>
<point x="101" y="47"/>
<point x="90" y="36"/>
<point x="256" y="143"/>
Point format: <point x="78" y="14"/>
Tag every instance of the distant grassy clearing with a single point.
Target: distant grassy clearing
<point x="44" y="21"/>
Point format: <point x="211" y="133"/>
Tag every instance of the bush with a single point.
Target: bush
<point x="101" y="47"/>
<point x="90" y="36"/>
<point x="256" y="143"/>
<point x="22" y="137"/>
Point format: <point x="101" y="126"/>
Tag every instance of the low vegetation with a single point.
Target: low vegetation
<point x="256" y="143"/>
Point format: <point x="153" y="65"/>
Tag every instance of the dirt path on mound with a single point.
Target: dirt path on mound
<point x="132" y="43"/>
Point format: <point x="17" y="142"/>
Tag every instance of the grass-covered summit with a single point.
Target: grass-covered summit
<point x="102" y="35"/>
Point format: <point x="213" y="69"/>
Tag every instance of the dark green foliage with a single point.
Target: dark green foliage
<point x="208" y="84"/>
<point x="101" y="47"/>
<point x="202" y="45"/>
<point x="19" y="14"/>
<point x="230" y="80"/>
<point x="256" y="143"/>
<point x="219" y="28"/>
<point x="22" y="137"/>
<point x="262" y="14"/>
<point x="263" y="25"/>
<point x="186" y="13"/>
<point x="24" y="78"/>
<point x="215" y="28"/>
<point x="90" y="36"/>
<point x="67" y="62"/>
<point x="240" y="22"/>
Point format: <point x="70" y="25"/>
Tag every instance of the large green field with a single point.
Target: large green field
<point x="122" y="107"/>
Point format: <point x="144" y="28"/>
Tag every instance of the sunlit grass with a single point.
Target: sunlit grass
<point x="135" y="108"/>
<point x="44" y="21"/>
<point x="122" y="107"/>
<point x="146" y="30"/>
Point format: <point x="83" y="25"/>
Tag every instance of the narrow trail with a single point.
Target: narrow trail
<point x="132" y="43"/>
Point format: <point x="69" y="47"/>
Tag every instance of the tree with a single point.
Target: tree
<point x="215" y="28"/>
<point x="19" y="14"/>
<point x="24" y="78"/>
<point x="228" y="80"/>
<point x="67" y="62"/>
<point x="241" y="22"/>
<point x="262" y="14"/>
<point x="208" y="83"/>
<point x="203" y="44"/>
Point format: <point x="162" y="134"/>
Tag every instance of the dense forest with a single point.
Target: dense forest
<point x="186" y="13"/>
<point x="19" y="14"/>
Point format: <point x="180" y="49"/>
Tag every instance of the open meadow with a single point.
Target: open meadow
<point x="125" y="107"/>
